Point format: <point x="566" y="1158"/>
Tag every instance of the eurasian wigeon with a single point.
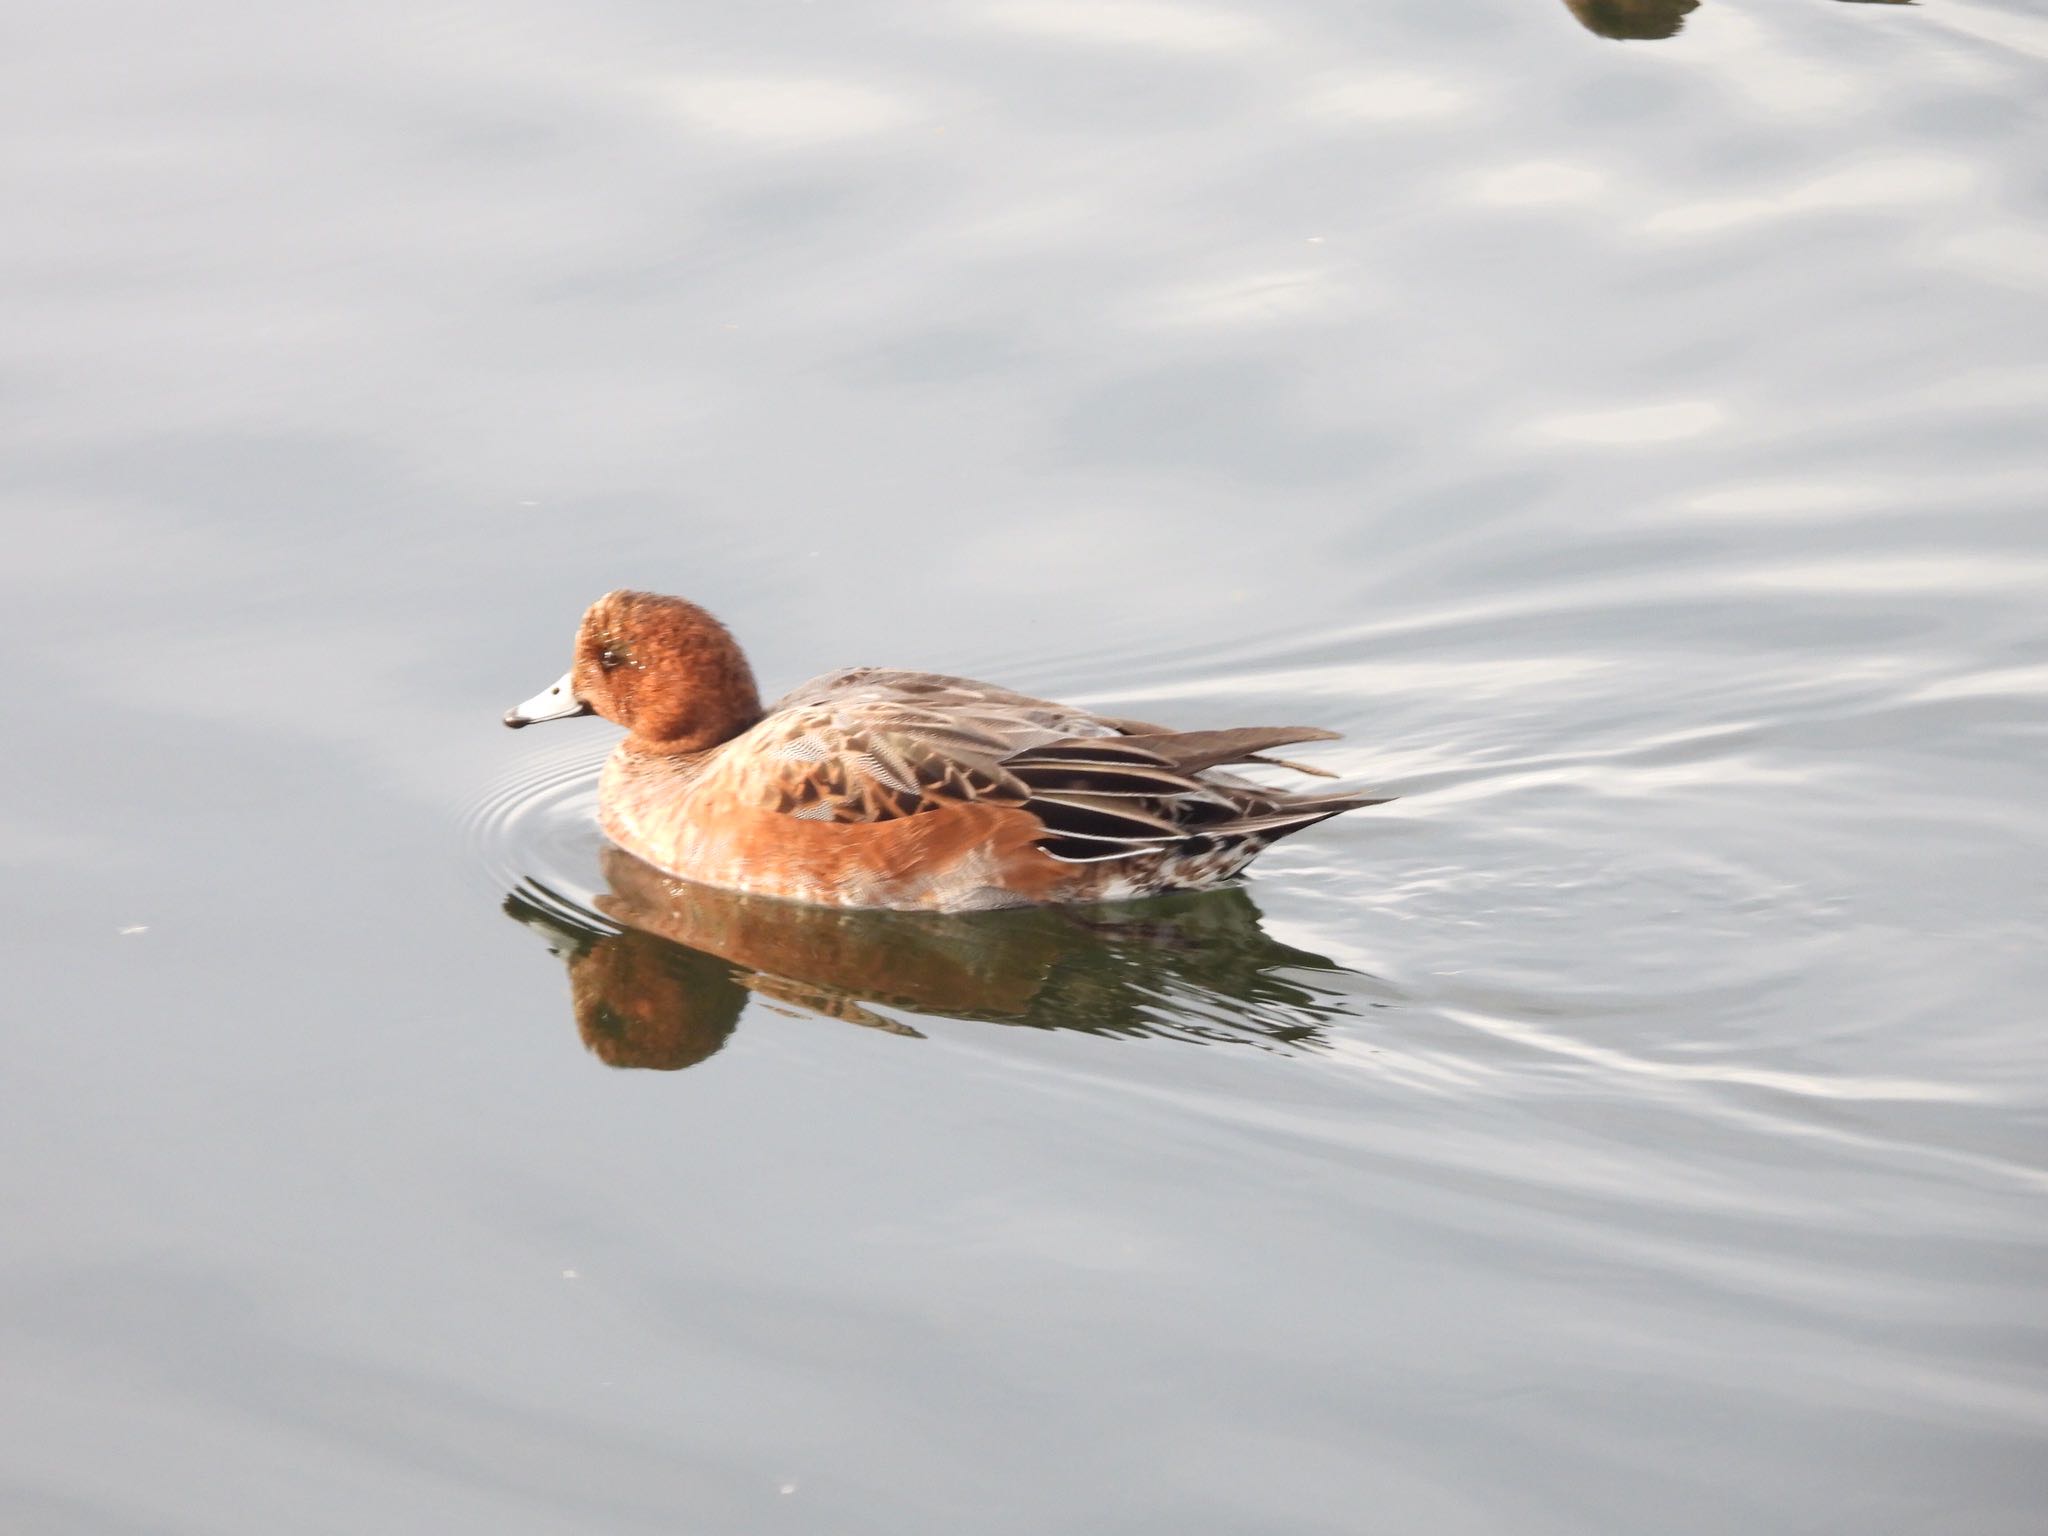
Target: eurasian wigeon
<point x="877" y="788"/>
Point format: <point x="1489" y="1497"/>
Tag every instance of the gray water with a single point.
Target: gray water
<point x="1634" y="446"/>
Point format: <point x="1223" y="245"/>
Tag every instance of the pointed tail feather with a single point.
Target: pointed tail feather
<point x="1292" y="816"/>
<point x="1287" y="762"/>
<point x="1193" y="751"/>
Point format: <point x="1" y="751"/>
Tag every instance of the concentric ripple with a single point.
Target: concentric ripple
<point x="534" y="828"/>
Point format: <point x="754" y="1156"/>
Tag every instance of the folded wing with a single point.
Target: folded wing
<point x="870" y="745"/>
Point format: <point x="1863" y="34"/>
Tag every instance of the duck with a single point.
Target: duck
<point x="872" y="787"/>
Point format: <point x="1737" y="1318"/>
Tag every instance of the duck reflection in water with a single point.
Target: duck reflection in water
<point x="666" y="989"/>
<point x="1651" y="20"/>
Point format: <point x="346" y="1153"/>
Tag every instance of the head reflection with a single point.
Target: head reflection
<point x="666" y="988"/>
<point x="1635" y="20"/>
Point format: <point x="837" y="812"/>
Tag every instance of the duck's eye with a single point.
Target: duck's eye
<point x="609" y="658"/>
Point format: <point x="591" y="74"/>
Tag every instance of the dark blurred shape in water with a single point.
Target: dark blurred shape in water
<point x="1653" y="20"/>
<point x="1633" y="20"/>
<point x="665" y="989"/>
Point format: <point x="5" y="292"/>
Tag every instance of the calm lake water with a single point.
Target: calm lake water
<point x="1634" y="444"/>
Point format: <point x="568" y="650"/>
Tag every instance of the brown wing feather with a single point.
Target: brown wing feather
<point x="827" y="765"/>
<point x="1192" y="751"/>
<point x="1152" y="794"/>
<point x="871" y="745"/>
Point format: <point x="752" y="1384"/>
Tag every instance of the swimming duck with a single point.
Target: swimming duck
<point x="877" y="788"/>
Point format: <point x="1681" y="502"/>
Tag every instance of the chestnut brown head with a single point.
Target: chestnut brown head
<point x="661" y="667"/>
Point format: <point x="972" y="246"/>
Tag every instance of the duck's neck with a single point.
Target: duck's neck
<point x="694" y="734"/>
<point x="693" y="737"/>
<point x="722" y="701"/>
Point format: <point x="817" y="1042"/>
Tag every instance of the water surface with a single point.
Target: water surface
<point x="1632" y="445"/>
